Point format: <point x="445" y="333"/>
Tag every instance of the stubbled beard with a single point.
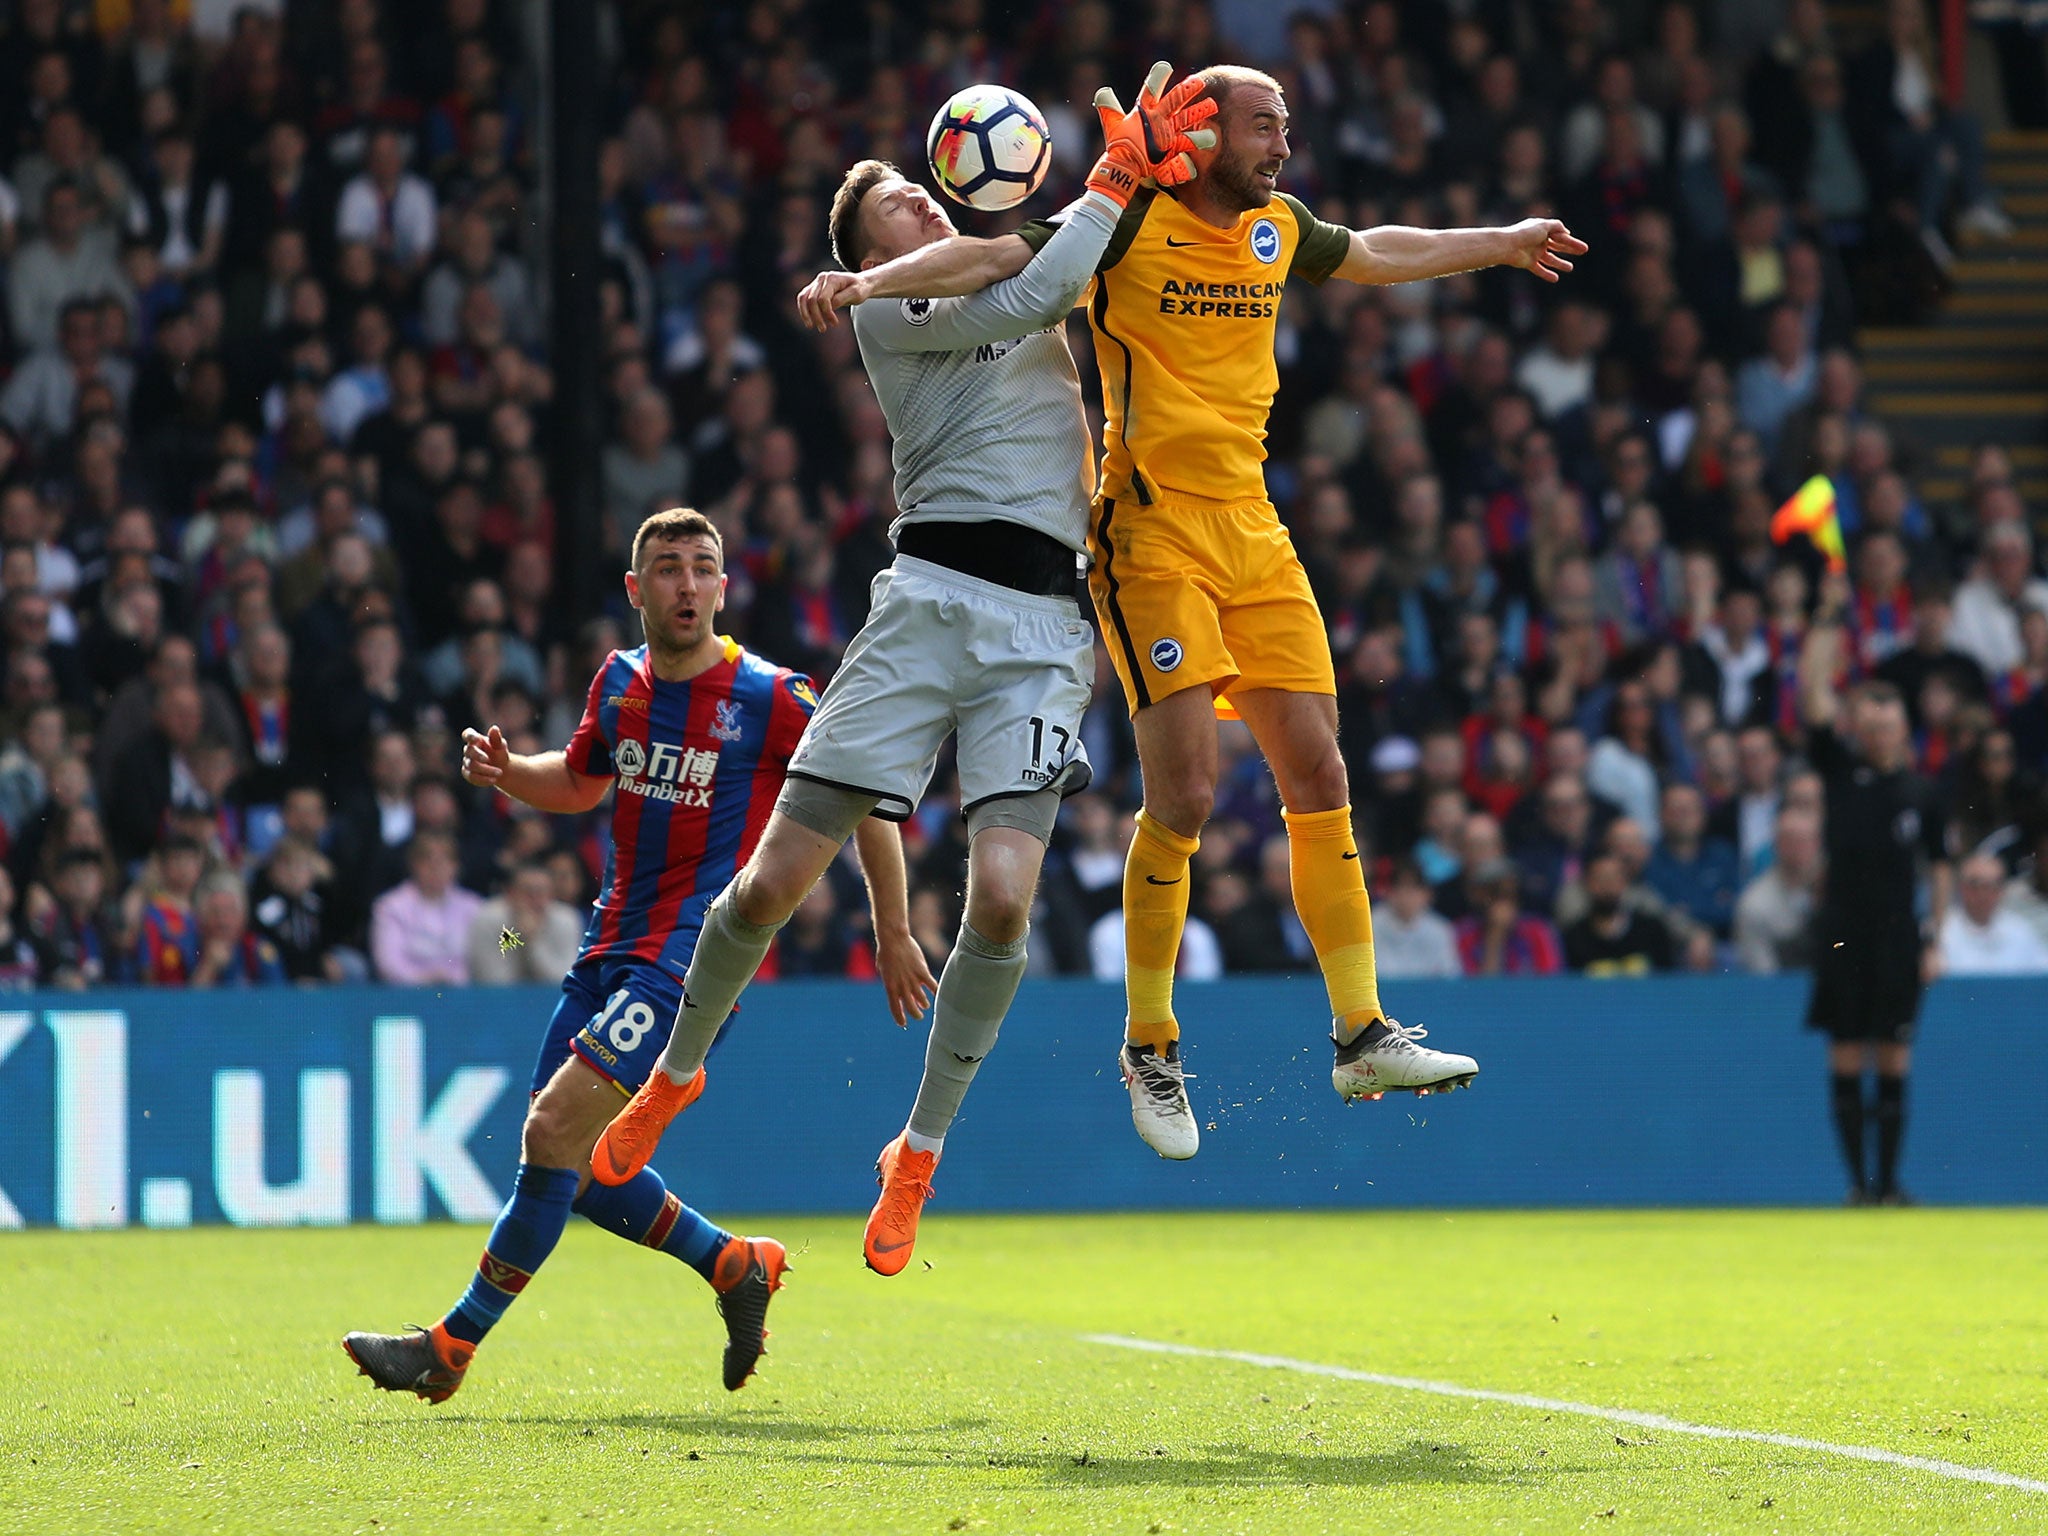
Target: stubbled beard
<point x="1232" y="176"/>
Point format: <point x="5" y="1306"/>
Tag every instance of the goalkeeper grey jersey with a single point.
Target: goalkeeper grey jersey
<point x="981" y="394"/>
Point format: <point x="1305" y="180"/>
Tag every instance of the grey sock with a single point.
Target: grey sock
<point x="729" y="951"/>
<point x="975" y="991"/>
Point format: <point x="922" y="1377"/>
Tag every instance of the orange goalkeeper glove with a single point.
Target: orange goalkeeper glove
<point x="1152" y="142"/>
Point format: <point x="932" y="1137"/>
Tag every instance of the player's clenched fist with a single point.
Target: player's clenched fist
<point x="484" y="756"/>
<point x="825" y="293"/>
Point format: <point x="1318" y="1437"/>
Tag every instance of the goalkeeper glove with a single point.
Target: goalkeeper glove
<point x="1152" y="142"/>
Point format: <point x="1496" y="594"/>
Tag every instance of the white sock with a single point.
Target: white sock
<point x="917" y="1143"/>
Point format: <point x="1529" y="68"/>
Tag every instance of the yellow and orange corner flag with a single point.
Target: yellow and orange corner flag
<point x="1812" y="511"/>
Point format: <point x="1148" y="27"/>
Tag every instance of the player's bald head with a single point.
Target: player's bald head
<point x="1226" y="83"/>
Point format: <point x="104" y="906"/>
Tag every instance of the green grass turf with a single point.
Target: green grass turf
<point x="190" y="1381"/>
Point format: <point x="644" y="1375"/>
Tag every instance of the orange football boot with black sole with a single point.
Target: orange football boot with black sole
<point x="747" y="1274"/>
<point x="427" y="1362"/>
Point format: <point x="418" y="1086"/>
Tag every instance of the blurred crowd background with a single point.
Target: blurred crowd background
<point x="276" y="515"/>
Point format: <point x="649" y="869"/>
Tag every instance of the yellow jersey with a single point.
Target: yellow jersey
<point x="1183" y="315"/>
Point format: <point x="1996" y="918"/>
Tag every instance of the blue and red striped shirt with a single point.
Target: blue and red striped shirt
<point x="698" y="765"/>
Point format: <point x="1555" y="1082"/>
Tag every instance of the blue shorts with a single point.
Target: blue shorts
<point x="616" y="1015"/>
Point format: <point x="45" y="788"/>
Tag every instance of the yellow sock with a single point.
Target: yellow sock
<point x="1155" y="912"/>
<point x="1329" y="893"/>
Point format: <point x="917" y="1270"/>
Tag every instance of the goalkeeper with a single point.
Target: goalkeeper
<point x="974" y="629"/>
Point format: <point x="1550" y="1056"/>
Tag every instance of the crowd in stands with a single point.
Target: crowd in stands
<point x="276" y="519"/>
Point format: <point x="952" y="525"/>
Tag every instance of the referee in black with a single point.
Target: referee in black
<point x="1874" y="953"/>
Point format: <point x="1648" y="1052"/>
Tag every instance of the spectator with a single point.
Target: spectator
<point x="1774" y="914"/>
<point x="158" y="772"/>
<point x="77" y="934"/>
<point x="1555" y="852"/>
<point x="1771" y="386"/>
<point x="1610" y="939"/>
<point x="167" y="943"/>
<point x="1695" y="874"/>
<point x="1932" y="652"/>
<point x="1411" y="942"/>
<point x="1750" y="819"/>
<point x="1979" y="937"/>
<point x="1622" y="769"/>
<point x="819" y="942"/>
<point x="473" y="259"/>
<point x="362" y="389"/>
<point x="1734" y="646"/>
<point x="1629" y="842"/>
<point x="63" y="263"/>
<point x="26" y="767"/>
<point x="20" y="959"/>
<point x="1986" y="627"/>
<point x="1200" y="958"/>
<point x="388" y="208"/>
<point x="231" y="954"/>
<point x="40" y="401"/>
<point x="545" y="933"/>
<point x="419" y="930"/>
<point x="292" y="909"/>
<point x="1638" y="582"/>
<point x="644" y="470"/>
<point x="183" y="216"/>
<point x="1558" y="371"/>
<point x="1496" y="937"/>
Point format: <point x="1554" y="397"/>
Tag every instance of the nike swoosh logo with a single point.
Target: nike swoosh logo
<point x="1180" y="244"/>
<point x="1155" y="880"/>
<point x="1352" y="854"/>
<point x="892" y="1247"/>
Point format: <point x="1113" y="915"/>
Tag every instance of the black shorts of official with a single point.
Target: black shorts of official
<point x="1866" y="979"/>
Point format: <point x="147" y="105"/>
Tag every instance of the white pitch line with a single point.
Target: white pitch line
<point x="1586" y="1410"/>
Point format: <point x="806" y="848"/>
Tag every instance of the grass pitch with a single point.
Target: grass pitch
<point x="191" y="1381"/>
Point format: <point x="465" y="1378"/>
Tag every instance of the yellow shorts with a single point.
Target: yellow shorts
<point x="1195" y="591"/>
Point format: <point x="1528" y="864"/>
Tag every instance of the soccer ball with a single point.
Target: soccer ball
<point x="989" y="147"/>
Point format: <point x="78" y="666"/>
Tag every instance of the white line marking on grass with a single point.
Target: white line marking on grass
<point x="1586" y="1410"/>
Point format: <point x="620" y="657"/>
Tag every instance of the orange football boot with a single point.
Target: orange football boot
<point x="906" y="1180"/>
<point x="748" y="1272"/>
<point x="624" y="1147"/>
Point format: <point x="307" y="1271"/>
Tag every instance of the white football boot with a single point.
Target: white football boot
<point x="1388" y="1057"/>
<point x="1159" y="1100"/>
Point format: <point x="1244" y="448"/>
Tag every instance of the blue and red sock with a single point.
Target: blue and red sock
<point x="642" y="1210"/>
<point x="527" y="1231"/>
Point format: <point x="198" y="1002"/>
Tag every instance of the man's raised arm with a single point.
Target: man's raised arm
<point x="1397" y="253"/>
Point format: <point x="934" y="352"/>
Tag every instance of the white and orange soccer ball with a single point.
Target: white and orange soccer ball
<point x="989" y="147"/>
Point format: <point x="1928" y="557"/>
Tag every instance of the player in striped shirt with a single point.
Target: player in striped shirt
<point x="696" y="735"/>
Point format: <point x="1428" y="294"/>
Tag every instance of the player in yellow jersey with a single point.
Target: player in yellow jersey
<point x="1203" y="601"/>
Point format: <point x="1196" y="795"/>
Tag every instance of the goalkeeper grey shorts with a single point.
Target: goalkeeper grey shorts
<point x="1009" y="674"/>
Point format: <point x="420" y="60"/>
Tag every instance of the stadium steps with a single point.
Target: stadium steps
<point x="1979" y="369"/>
